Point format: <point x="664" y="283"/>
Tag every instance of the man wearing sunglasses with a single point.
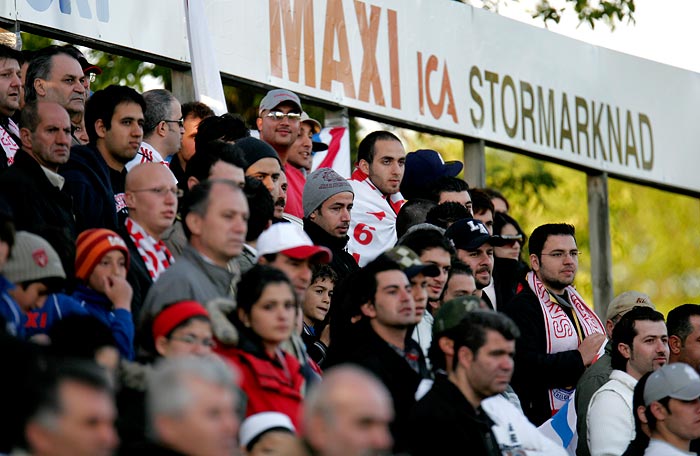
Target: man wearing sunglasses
<point x="163" y="128"/>
<point x="278" y="121"/>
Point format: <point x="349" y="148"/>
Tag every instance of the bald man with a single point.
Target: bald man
<point x="151" y="196"/>
<point x="348" y="413"/>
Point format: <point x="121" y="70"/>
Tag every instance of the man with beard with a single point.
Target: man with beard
<point x="560" y="335"/>
<point x="95" y="174"/>
<point x="327" y="200"/>
<point x="474" y="247"/>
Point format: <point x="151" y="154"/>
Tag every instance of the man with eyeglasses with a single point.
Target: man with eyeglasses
<point x="163" y="128"/>
<point x="151" y="196"/>
<point x="560" y="335"/>
<point x="278" y="121"/>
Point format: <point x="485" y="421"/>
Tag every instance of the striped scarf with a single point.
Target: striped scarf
<point x="154" y="253"/>
<point x="7" y="142"/>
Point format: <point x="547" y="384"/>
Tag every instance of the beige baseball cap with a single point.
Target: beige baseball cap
<point x="624" y="302"/>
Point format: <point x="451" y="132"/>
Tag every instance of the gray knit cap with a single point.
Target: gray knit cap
<point x="32" y="259"/>
<point x="321" y="185"/>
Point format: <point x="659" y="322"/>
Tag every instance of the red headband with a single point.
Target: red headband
<point x="172" y="316"/>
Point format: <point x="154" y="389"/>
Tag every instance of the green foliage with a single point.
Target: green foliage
<point x="588" y="11"/>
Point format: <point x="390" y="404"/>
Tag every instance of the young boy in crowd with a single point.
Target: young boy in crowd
<point x="315" y="307"/>
<point x="101" y="262"/>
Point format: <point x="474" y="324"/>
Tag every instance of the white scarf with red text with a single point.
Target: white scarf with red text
<point x="560" y="331"/>
<point x="154" y="253"/>
<point x="7" y="141"/>
<point x="373" y="221"/>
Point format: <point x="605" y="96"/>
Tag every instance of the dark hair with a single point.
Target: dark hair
<point x="457" y="267"/>
<point x="651" y="419"/>
<point x="227" y="127"/>
<point x="424" y="239"/>
<point x="493" y="193"/>
<point x="196" y="109"/>
<point x="6" y="52"/>
<point x="678" y="321"/>
<point x="323" y="272"/>
<point x="103" y="103"/>
<point x="208" y="154"/>
<point x="256" y="279"/>
<point x="447" y="184"/>
<point x="197" y="200"/>
<point x="365" y="151"/>
<point x="40" y="67"/>
<point x="625" y="331"/>
<point x="471" y="330"/>
<point x="541" y="233"/>
<point x="445" y="214"/>
<point x="412" y="213"/>
<point x="262" y="207"/>
<point x="158" y="109"/>
<point x="501" y="219"/>
<point x="481" y="202"/>
<point x="79" y="336"/>
<point x="29" y="116"/>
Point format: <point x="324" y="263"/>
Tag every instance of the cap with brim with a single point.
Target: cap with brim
<point x="410" y="262"/>
<point x="313" y="252"/>
<point x="276" y="97"/>
<point x="470" y="234"/>
<point x="624" y="302"/>
<point x="453" y="311"/>
<point x="89" y="67"/>
<point x="317" y="146"/>
<point x="290" y="239"/>
<point x="174" y="315"/>
<point x="425" y="166"/>
<point x="675" y="380"/>
<point x="315" y="124"/>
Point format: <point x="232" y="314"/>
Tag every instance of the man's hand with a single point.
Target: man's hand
<point x="590" y="347"/>
<point x="119" y="291"/>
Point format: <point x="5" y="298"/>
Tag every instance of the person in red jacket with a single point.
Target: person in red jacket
<point x="265" y="317"/>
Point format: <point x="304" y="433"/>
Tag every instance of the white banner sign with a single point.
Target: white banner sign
<point x="438" y="64"/>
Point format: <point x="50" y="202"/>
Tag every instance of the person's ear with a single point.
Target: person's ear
<point x="625" y="350"/>
<point x="447" y="345"/>
<point x="194" y="223"/>
<point x="40" y="87"/>
<point x="161" y="344"/>
<point x="658" y="410"/>
<point x="368" y="310"/>
<point x="364" y="166"/>
<point x="191" y="182"/>
<point x="534" y="262"/>
<point x="675" y="344"/>
<point x="25" y="137"/>
<point x="100" y="128"/>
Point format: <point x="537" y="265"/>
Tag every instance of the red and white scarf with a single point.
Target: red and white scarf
<point x="560" y="331"/>
<point x="146" y="154"/>
<point x="373" y="222"/>
<point x="7" y="141"/>
<point x="154" y="253"/>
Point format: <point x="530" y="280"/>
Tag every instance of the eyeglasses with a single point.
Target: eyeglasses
<point x="180" y="122"/>
<point x="559" y="254"/>
<point x="189" y="339"/>
<point x="279" y="115"/>
<point x="161" y="191"/>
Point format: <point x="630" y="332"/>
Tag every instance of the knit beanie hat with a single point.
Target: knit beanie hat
<point x="92" y="245"/>
<point x="321" y="185"/>
<point x="255" y="149"/>
<point x="32" y="259"/>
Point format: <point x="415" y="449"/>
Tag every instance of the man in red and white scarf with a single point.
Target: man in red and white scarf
<point x="151" y="196"/>
<point x="381" y="160"/>
<point x="10" y="87"/>
<point x="560" y="335"/>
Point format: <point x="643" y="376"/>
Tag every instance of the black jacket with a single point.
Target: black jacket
<point x="40" y="207"/>
<point x="536" y="371"/>
<point x="445" y="422"/>
<point x="342" y="263"/>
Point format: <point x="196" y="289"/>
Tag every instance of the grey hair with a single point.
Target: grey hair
<point x="157" y="109"/>
<point x="167" y="390"/>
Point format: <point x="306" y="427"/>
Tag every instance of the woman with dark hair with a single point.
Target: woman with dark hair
<point x="265" y="317"/>
<point x="509" y="269"/>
